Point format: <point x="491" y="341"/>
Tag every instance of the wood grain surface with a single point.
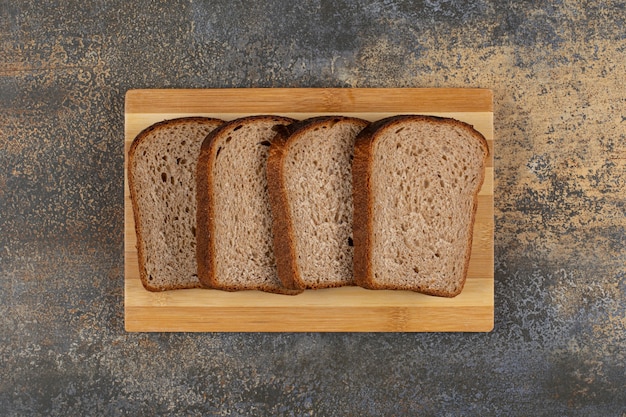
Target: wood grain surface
<point x="330" y="310"/>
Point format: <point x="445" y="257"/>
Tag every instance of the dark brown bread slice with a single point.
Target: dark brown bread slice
<point x="161" y="176"/>
<point x="416" y="183"/>
<point x="235" y="244"/>
<point x="310" y="182"/>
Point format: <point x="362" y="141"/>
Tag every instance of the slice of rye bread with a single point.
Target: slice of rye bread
<point x="416" y="183"/>
<point x="235" y="245"/>
<point x="161" y="177"/>
<point x="310" y="183"/>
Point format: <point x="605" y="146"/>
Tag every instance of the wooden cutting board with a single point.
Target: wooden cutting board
<point x="330" y="310"/>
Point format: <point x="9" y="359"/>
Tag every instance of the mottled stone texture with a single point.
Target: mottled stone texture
<point x="557" y="70"/>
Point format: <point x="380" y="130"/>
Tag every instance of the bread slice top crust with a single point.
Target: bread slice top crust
<point x="310" y="182"/>
<point x="416" y="183"/>
<point x="161" y="177"/>
<point x="235" y="243"/>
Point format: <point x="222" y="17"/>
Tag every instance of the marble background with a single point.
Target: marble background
<point x="557" y="70"/>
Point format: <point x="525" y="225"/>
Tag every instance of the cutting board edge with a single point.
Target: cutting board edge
<point x="314" y="99"/>
<point x="309" y="319"/>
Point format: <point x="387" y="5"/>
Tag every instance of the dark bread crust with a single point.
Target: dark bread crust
<point x="363" y="203"/>
<point x="362" y="216"/>
<point x="205" y="254"/>
<point x="284" y="235"/>
<point x="137" y="215"/>
<point x="281" y="226"/>
<point x="203" y="213"/>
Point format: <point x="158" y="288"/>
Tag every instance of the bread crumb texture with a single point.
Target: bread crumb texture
<point x="425" y="175"/>
<point x="318" y="182"/>
<point x="242" y="219"/>
<point x="163" y="164"/>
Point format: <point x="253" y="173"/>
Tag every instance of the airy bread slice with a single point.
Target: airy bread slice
<point x="235" y="249"/>
<point x="416" y="182"/>
<point x="310" y="183"/>
<point x="161" y="177"/>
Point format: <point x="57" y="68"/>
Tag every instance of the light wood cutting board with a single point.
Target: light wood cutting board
<point x="349" y="309"/>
